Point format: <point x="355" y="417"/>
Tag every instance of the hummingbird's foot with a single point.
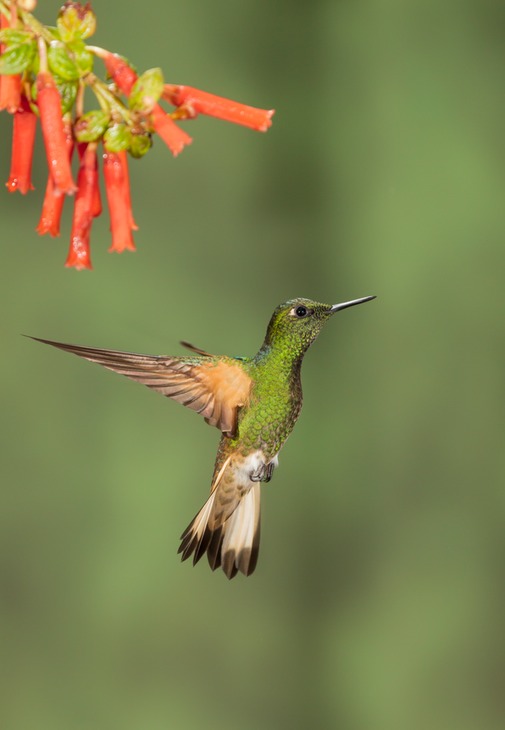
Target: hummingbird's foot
<point x="263" y="473"/>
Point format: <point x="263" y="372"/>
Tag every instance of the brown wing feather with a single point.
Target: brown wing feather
<point x="196" y="349"/>
<point x="215" y="388"/>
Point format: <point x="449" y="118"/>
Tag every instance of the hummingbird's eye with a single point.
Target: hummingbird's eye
<point x="300" y="311"/>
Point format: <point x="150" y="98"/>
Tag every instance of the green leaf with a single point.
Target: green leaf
<point x="117" y="138"/>
<point x="68" y="93"/>
<point x="54" y="32"/>
<point x="141" y="143"/>
<point x="83" y="58"/>
<point x="91" y="126"/>
<point x="146" y="91"/>
<point x="13" y="37"/>
<point x="17" y="58"/>
<point x="61" y="64"/>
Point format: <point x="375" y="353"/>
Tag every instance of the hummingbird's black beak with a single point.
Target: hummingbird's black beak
<point x="344" y="305"/>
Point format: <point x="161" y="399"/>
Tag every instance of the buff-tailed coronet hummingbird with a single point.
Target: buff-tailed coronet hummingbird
<point x="253" y="401"/>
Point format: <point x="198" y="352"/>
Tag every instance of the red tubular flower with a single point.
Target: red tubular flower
<point x="124" y="161"/>
<point x="116" y="187"/>
<point x="193" y="101"/>
<point x="173" y="136"/>
<point x="96" y="208"/>
<point x="79" y="252"/>
<point x="124" y="77"/>
<point x="10" y="86"/>
<point x="52" y="206"/>
<point x="10" y="93"/>
<point x="23" y="140"/>
<point x="53" y="131"/>
<point x="97" y="198"/>
<point x="122" y="74"/>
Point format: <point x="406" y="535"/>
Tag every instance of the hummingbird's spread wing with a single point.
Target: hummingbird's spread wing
<point x="210" y="386"/>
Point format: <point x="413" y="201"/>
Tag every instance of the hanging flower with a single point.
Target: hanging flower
<point x="10" y="81"/>
<point x="52" y="207"/>
<point x="53" y="132"/>
<point x="143" y="94"/>
<point x="115" y="171"/>
<point x="46" y="72"/>
<point x="79" y="255"/>
<point x="23" y="140"/>
<point x="192" y="102"/>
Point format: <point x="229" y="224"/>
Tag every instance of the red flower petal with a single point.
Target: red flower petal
<point x="195" y="101"/>
<point x="23" y="140"/>
<point x="49" y="103"/>
<point x="10" y="93"/>
<point x="79" y="252"/>
<point x="116" y="188"/>
<point x="97" y="199"/>
<point x="10" y="86"/>
<point x="52" y="206"/>
<point x="121" y="73"/>
<point x="124" y="161"/>
<point x="173" y="136"/>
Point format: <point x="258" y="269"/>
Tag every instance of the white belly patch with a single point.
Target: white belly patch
<point x="252" y="464"/>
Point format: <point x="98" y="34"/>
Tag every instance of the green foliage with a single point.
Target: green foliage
<point x="19" y="52"/>
<point x="147" y="90"/>
<point x="61" y="64"/>
<point x="140" y="144"/>
<point x="91" y="126"/>
<point x="117" y="138"/>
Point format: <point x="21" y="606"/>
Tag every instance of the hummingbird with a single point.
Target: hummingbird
<point x="253" y="401"/>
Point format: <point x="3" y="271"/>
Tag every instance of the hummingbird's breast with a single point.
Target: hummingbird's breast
<point x="274" y="406"/>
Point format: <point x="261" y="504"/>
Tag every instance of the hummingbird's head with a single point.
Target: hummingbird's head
<point x="297" y="323"/>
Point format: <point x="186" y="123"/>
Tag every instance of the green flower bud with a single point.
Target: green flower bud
<point x="117" y="138"/>
<point x="91" y="126"/>
<point x="140" y="144"/>
<point x="76" y="21"/>
<point x="146" y="91"/>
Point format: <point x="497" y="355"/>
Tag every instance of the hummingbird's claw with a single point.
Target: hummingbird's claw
<point x="263" y="473"/>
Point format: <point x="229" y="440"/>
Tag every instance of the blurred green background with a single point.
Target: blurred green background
<point x="378" y="601"/>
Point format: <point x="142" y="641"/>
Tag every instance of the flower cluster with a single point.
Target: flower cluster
<point x="44" y="73"/>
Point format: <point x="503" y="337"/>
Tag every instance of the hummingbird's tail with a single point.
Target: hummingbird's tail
<point x="227" y="527"/>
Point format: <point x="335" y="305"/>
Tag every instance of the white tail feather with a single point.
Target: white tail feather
<point x="234" y="544"/>
<point x="241" y="535"/>
<point x="227" y="527"/>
